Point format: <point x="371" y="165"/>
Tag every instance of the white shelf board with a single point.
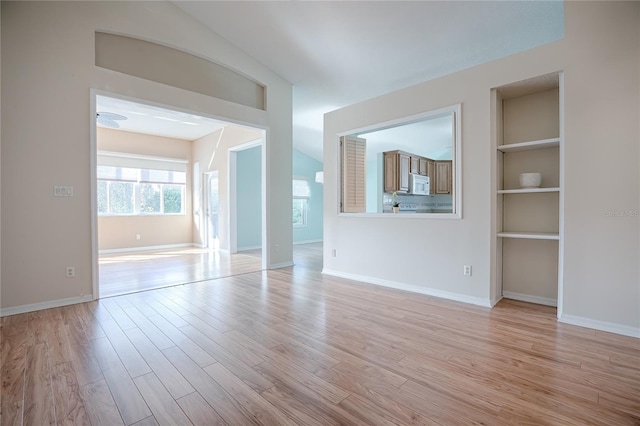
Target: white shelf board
<point x="530" y="235"/>
<point x="527" y="190"/>
<point x="524" y="146"/>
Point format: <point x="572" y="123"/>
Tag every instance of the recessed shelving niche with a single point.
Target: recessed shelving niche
<point x="528" y="220"/>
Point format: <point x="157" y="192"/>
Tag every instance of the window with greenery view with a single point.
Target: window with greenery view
<point x="301" y="193"/>
<point x="133" y="191"/>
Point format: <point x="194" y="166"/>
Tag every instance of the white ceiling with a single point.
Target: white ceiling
<point x="336" y="53"/>
<point x="152" y="120"/>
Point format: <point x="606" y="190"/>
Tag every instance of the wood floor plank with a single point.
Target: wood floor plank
<point x="240" y="369"/>
<point x="188" y="346"/>
<point x="84" y="364"/>
<point x="11" y="413"/>
<point x="99" y="404"/>
<point x="149" y="421"/>
<point x="300" y="409"/>
<point x="130" y="403"/>
<point x="167" y="374"/>
<point x="373" y="414"/>
<point x="133" y="362"/>
<point x="165" y="409"/>
<point x="297" y="377"/>
<point x="199" y="411"/>
<point x="119" y="316"/>
<point x="261" y="410"/>
<point x="209" y="389"/>
<point x="104" y="354"/>
<point x="69" y="407"/>
<point x="90" y="324"/>
<point x="14" y="358"/>
<point x="230" y="345"/>
<point x="38" y="395"/>
<point x="159" y="339"/>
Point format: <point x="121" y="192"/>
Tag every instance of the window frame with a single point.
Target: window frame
<point x="457" y="208"/>
<point x="304" y="205"/>
<point x="137" y="191"/>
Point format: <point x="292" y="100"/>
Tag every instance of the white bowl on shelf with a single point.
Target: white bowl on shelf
<point x="530" y="180"/>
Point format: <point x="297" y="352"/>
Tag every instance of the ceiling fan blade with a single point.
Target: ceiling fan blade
<point x="111" y="116"/>
<point x="107" y="122"/>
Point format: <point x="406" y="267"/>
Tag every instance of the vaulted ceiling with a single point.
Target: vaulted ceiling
<point x="336" y="53"/>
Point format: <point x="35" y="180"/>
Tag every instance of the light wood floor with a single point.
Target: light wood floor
<point x="122" y="273"/>
<point x="294" y="347"/>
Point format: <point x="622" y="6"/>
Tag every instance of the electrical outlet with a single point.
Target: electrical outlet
<point x="70" y="272"/>
<point x="276" y="248"/>
<point x="138" y="237"/>
<point x="467" y="270"/>
<point x="334" y="253"/>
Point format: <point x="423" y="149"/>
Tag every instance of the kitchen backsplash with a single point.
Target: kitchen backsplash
<point x="419" y="202"/>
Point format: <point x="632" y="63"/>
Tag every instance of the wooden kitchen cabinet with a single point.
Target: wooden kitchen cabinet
<point x="431" y="172"/>
<point x="415" y="164"/>
<point x="424" y="166"/>
<point x="443" y="177"/>
<point x="397" y="165"/>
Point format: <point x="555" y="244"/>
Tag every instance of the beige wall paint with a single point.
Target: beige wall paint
<point x="119" y="232"/>
<point x="47" y="73"/>
<point x="600" y="56"/>
<point x="212" y="151"/>
<point x="142" y="144"/>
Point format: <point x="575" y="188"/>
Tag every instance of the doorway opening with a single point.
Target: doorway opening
<point x="211" y="210"/>
<point x="161" y="210"/>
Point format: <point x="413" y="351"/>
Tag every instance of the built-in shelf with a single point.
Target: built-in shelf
<point x="530" y="235"/>
<point x="525" y="146"/>
<point x="527" y="190"/>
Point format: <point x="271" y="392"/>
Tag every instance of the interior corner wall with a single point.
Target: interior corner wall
<point x="249" y="198"/>
<point x="48" y="73"/>
<point x="212" y="151"/>
<point x="119" y="232"/>
<point x="306" y="167"/>
<point x="600" y="57"/>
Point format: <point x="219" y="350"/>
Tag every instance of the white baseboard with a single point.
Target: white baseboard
<point x="412" y="288"/>
<point x="280" y="265"/>
<point x="250" y="248"/>
<point x="44" y="305"/>
<point x="529" y="298"/>
<point x="610" y="327"/>
<point x="295" y="243"/>
<point x="146" y="248"/>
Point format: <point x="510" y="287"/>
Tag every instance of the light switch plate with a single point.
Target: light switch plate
<point x="62" y="191"/>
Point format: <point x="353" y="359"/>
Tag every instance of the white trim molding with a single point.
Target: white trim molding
<point x="412" y="288"/>
<point x="248" y="248"/>
<point x="281" y="265"/>
<point x="44" y="305"/>
<point x="295" y="243"/>
<point x="609" y="327"/>
<point x="529" y="298"/>
<point x="148" y="248"/>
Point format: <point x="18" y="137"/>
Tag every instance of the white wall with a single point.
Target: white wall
<point x="47" y="73"/>
<point x="600" y="55"/>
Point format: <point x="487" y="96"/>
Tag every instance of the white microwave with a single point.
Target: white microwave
<point x="418" y="184"/>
